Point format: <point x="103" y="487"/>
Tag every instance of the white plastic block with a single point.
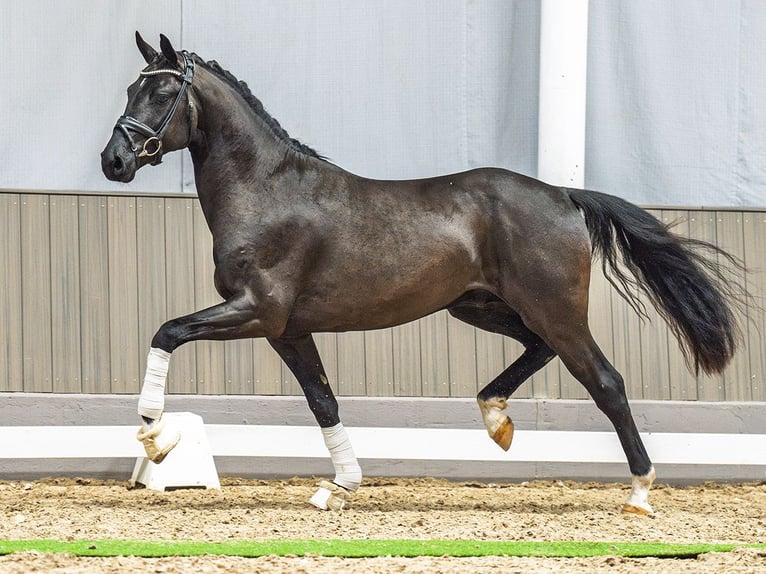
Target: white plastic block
<point x="189" y="465"/>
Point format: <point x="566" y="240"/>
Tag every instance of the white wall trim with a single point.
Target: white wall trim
<point x="43" y="442"/>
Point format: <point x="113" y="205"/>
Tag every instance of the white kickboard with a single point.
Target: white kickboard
<point x="189" y="465"/>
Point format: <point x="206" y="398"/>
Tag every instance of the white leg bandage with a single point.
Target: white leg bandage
<point x="348" y="473"/>
<point x="157" y="443"/>
<point x="152" y="400"/>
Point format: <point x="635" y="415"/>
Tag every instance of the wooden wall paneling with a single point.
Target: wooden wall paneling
<point x="11" y="319"/>
<point x="36" y="290"/>
<point x="123" y="295"/>
<point x="238" y="358"/>
<point x="352" y="371"/>
<point x="379" y="363"/>
<point x="546" y="383"/>
<point x="179" y="281"/>
<point x="461" y="356"/>
<point x="408" y="371"/>
<point x="87" y="280"/>
<point x="94" y="294"/>
<point x="150" y="273"/>
<point x="211" y="358"/>
<point x="267" y="369"/>
<point x="65" y="294"/>
<point x="731" y="237"/>
<point x="434" y="363"/>
<point x="755" y="330"/>
<point x="683" y="382"/>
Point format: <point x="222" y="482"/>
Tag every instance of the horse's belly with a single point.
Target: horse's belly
<point x="367" y="302"/>
<point x="372" y="277"/>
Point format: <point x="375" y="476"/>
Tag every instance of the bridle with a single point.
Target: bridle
<point x="152" y="146"/>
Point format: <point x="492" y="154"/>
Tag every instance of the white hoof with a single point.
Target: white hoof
<point x="638" y="501"/>
<point x="157" y="443"/>
<point x="644" y="509"/>
<point x="330" y="496"/>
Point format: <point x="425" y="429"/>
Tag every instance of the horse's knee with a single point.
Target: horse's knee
<point x="168" y="337"/>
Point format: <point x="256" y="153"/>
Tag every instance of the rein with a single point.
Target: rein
<point x="152" y="146"/>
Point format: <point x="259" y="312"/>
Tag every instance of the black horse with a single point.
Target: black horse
<point x="302" y="246"/>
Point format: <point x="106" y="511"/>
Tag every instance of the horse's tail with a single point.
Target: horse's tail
<point x="691" y="283"/>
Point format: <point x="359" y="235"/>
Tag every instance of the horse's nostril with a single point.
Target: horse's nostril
<point x="118" y="165"/>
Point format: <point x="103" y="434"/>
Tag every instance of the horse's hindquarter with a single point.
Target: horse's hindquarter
<point x="543" y="250"/>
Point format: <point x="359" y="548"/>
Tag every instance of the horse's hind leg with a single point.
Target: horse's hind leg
<point x="586" y="362"/>
<point x="561" y="319"/>
<point x="495" y="316"/>
<point x="301" y="356"/>
<point x="546" y="280"/>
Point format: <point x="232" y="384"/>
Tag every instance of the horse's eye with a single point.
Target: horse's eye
<point x="162" y="98"/>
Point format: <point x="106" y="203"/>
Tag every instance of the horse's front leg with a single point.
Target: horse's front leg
<point x="301" y="356"/>
<point x="235" y="318"/>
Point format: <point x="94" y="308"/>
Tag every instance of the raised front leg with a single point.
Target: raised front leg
<point x="301" y="356"/>
<point x="236" y="318"/>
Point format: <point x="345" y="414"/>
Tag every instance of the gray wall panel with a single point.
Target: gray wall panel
<point x="11" y="354"/>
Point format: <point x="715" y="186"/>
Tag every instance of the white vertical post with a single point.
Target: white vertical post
<point x="563" y="66"/>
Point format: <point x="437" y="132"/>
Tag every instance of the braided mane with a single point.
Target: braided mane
<point x="243" y="90"/>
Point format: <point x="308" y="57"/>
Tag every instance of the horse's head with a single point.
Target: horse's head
<point x="160" y="115"/>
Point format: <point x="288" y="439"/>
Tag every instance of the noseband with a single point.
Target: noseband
<point x="152" y="146"/>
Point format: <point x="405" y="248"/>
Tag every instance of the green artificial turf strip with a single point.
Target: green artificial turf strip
<point x="365" y="548"/>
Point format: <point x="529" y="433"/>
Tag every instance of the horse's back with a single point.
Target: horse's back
<point x="395" y="250"/>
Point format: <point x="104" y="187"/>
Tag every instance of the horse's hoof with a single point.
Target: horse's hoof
<point x="498" y="425"/>
<point x="640" y="509"/>
<point x="330" y="496"/>
<point x="503" y="436"/>
<point x="638" y="501"/>
<point x="156" y="443"/>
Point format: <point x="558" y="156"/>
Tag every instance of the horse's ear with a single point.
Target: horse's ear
<point x="149" y="53"/>
<point x="167" y="49"/>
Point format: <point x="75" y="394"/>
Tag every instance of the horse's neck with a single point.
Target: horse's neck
<point x="233" y="149"/>
<point x="236" y="155"/>
<point x="232" y="128"/>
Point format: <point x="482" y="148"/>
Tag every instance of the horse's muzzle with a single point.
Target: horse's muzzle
<point x="117" y="161"/>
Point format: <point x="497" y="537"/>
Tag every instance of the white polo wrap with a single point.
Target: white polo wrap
<point x="152" y="400"/>
<point x="348" y="473"/>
